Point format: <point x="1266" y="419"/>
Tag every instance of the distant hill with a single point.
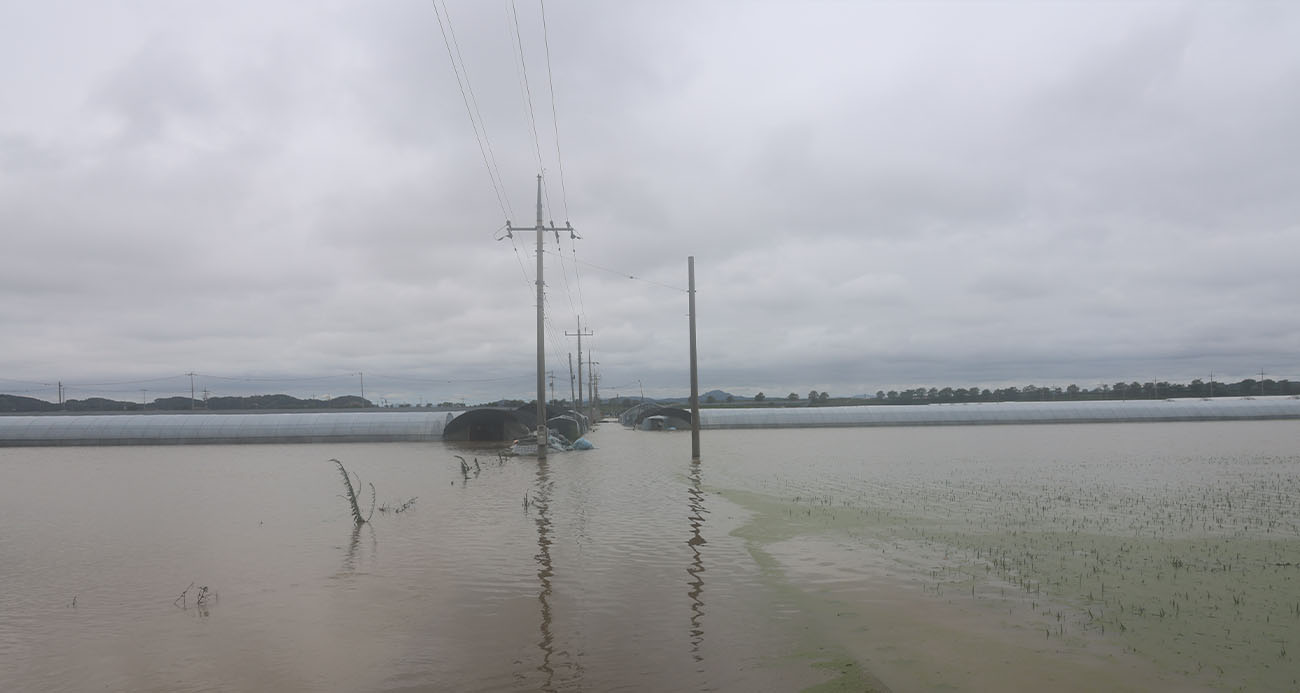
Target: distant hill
<point x="718" y="397"/>
<point x="19" y="403"/>
<point x="15" y="404"/>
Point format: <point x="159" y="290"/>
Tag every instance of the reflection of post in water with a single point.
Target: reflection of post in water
<point x="354" y="549"/>
<point x="696" y="568"/>
<point x="542" y="501"/>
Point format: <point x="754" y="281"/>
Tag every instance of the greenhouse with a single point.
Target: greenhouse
<point x="1105" y="411"/>
<point x="205" y="428"/>
<point x="396" y="426"/>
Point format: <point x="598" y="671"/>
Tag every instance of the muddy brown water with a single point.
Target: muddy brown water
<point x="628" y="568"/>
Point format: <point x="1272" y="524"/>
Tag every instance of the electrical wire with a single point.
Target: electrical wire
<point x="630" y="276"/>
<point x="582" y="304"/>
<point x="498" y="187"/>
<point x="453" y="381"/>
<point x="564" y="272"/>
<point x="265" y="379"/>
<point x="528" y="98"/>
<point x="124" y="382"/>
<point x="555" y="120"/>
<point x="470" y="87"/>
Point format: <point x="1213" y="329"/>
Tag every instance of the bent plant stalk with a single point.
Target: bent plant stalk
<point x="352" y="496"/>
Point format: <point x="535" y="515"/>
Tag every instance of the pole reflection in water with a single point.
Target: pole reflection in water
<point x="350" y="558"/>
<point x="542" y="501"/>
<point x="696" y="568"/>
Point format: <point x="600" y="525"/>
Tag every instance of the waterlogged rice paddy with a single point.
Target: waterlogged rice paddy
<point x="1178" y="544"/>
<point x="1133" y="557"/>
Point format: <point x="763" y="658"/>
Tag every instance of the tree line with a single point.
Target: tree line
<point x="1121" y="390"/>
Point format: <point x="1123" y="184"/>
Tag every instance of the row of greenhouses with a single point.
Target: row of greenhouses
<point x="387" y="425"/>
<point x="1218" y="409"/>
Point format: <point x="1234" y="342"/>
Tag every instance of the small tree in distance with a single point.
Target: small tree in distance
<point x="760" y="397"/>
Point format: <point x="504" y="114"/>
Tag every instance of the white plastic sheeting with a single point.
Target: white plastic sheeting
<point x="1005" y="413"/>
<point x="198" y="428"/>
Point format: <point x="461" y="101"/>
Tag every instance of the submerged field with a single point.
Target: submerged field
<point x="1180" y="544"/>
<point x="1070" y="558"/>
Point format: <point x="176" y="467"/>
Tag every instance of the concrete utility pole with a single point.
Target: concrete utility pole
<point x="579" y="334"/>
<point x="572" y="392"/>
<point x="191" y="374"/>
<point x="543" y="436"/>
<point x="695" y="373"/>
<point x="590" y="386"/>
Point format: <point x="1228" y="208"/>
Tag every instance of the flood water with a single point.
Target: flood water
<point x="627" y="567"/>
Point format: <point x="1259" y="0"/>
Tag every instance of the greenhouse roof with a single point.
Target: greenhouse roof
<point x="198" y="428"/>
<point x="1005" y="413"/>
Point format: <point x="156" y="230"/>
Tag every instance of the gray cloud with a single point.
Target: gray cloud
<point x="878" y="195"/>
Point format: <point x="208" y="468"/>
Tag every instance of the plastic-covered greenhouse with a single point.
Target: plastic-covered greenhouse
<point x="1219" y="409"/>
<point x="201" y="428"/>
<point x="384" y="426"/>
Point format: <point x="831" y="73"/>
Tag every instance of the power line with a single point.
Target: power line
<point x="498" y="187"/>
<point x="274" y="379"/>
<point x="559" y="159"/>
<point x="470" y="86"/>
<point x="26" y="382"/>
<point x="527" y="282"/>
<point x="578" y="278"/>
<point x="564" y="272"/>
<point x="555" y="120"/>
<point x="629" y="275"/>
<point x="125" y="382"/>
<point x="528" y="94"/>
<point x="450" y="381"/>
<point x="526" y="91"/>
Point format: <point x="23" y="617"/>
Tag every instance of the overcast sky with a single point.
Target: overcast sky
<point x="878" y="195"/>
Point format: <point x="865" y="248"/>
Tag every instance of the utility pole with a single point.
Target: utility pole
<point x="543" y="436"/>
<point x="579" y="334"/>
<point x="363" y="388"/>
<point x="191" y="374"/>
<point x="60" y="394"/>
<point x="695" y="374"/>
<point x="572" y="393"/>
<point x="551" y="375"/>
<point x="590" y="385"/>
